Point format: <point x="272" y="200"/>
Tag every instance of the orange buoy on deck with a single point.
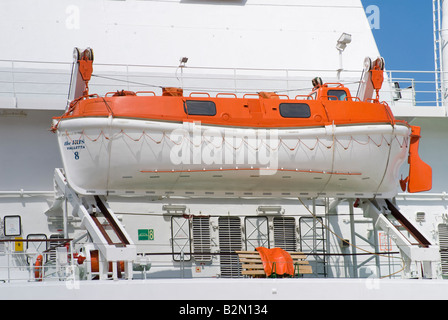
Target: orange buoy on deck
<point x="38" y="268"/>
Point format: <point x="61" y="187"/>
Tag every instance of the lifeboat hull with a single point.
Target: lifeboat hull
<point x="131" y="156"/>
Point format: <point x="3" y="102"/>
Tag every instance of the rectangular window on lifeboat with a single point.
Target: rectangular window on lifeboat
<point x="340" y="95"/>
<point x="200" y="108"/>
<point x="295" y="110"/>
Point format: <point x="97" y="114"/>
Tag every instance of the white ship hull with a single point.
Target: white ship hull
<point x="127" y="156"/>
<point x="205" y="292"/>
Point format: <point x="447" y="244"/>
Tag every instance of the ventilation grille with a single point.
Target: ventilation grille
<point x="420" y="217"/>
<point x="201" y="239"/>
<point x="229" y="241"/>
<point x="285" y="233"/>
<point x="443" y="243"/>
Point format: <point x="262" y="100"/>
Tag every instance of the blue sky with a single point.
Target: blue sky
<point x="405" y="35"/>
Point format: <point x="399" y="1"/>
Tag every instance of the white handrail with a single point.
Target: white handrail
<point x="51" y="79"/>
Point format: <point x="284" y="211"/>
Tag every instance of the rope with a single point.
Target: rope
<point x="204" y="139"/>
<point x="333" y="135"/>
<point x="128" y="81"/>
<point x="359" y="248"/>
<point x="72" y="106"/>
<point x="307" y="88"/>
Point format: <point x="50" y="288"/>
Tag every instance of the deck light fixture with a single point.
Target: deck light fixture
<point x="172" y="208"/>
<point x="272" y="209"/>
<point x="344" y="39"/>
<point x="183" y="61"/>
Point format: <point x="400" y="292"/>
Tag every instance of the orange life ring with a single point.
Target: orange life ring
<point x="38" y="268"/>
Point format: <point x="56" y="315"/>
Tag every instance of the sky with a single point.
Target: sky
<point x="404" y="33"/>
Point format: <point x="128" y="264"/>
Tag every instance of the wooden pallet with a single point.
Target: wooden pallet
<point x="253" y="266"/>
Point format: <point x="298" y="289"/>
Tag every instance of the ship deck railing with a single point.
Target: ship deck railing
<point x="20" y="264"/>
<point x="45" y="85"/>
<point x="16" y="266"/>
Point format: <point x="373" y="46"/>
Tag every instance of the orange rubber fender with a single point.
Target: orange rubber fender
<point x="420" y="173"/>
<point x="276" y="260"/>
<point x="38" y="274"/>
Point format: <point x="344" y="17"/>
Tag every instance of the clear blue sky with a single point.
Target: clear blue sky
<point x="405" y="35"/>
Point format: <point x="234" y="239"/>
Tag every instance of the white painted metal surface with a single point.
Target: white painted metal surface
<point x="259" y="290"/>
<point x="209" y="33"/>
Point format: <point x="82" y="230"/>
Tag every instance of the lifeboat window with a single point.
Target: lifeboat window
<point x="340" y="95"/>
<point x="200" y="108"/>
<point x="312" y="96"/>
<point x="295" y="110"/>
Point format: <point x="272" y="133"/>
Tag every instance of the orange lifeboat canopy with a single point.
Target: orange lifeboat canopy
<point x="331" y="92"/>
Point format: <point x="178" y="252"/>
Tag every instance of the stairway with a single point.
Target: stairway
<point x="421" y="258"/>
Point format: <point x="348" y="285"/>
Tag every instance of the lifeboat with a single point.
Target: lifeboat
<point x="327" y="143"/>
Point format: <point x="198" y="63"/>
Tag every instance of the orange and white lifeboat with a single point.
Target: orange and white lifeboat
<point x="326" y="144"/>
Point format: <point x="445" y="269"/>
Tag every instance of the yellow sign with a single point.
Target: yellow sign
<point x="19" y="244"/>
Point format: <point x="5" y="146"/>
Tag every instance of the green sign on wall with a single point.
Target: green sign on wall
<point x="145" y="234"/>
